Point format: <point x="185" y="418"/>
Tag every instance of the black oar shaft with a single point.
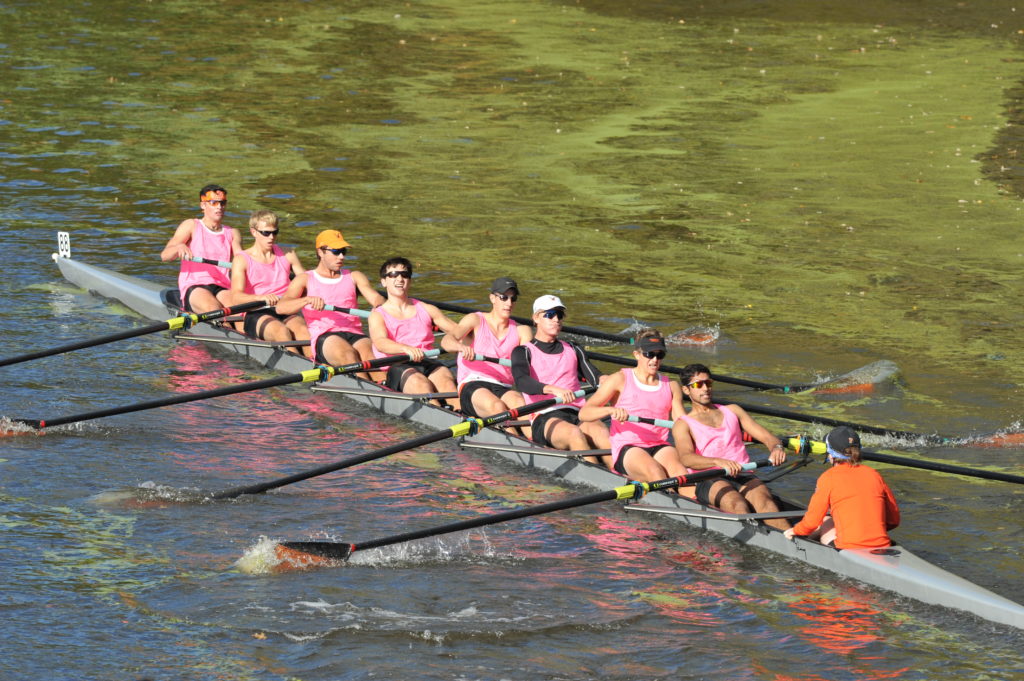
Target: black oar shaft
<point x="164" y="402"/>
<point x="941" y="467"/>
<point x="124" y="335"/>
<point x="259" y="488"/>
<point x="807" y="418"/>
<point x="632" y="490"/>
<point x="467" y="427"/>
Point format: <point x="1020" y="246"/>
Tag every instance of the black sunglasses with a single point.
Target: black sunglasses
<point x="336" y="251"/>
<point x="267" y="232"/>
<point x="405" y="274"/>
<point x="554" y="314"/>
<point x="653" y="354"/>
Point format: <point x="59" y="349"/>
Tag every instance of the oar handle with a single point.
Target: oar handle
<point x="495" y="360"/>
<point x="208" y="261"/>
<point x="663" y="423"/>
<point x="348" y="310"/>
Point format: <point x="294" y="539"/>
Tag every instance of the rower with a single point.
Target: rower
<point x="204" y="287"/>
<point x="549" y="366"/>
<point x="485" y="388"/>
<point x="336" y="338"/>
<point x="403" y="325"/>
<point x="711" y="436"/>
<point x="640" y="451"/>
<point x="263" y="272"/>
<point x="852" y="507"/>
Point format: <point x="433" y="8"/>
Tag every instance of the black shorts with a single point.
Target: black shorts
<point x="347" y="336"/>
<point x="703" y="489"/>
<point x="252" y="321"/>
<point x="396" y="372"/>
<point x="540" y="423"/>
<point x="212" y="288"/>
<point x="467" y="389"/>
<point x="620" y="461"/>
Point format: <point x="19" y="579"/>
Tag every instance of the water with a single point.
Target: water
<point x="821" y="186"/>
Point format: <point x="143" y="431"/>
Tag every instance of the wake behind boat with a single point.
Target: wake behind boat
<point x="893" y="568"/>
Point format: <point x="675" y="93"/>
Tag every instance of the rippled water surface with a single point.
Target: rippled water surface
<point x="795" y="190"/>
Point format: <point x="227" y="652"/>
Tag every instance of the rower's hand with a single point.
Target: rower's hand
<point x="731" y="468"/>
<point x="183" y="252"/>
<point x="618" y="414"/>
<point x="467" y="351"/>
<point x="777" y="456"/>
<point x="565" y="396"/>
<point x="788" y="534"/>
<point x="315" y="302"/>
<point x="415" y="354"/>
<point x="271" y="299"/>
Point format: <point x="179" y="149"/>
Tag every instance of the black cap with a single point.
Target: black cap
<point x="842" y="437"/>
<point x="502" y="284"/>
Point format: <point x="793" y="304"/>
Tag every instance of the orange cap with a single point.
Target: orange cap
<point x="331" y="238"/>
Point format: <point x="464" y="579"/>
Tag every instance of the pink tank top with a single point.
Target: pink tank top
<point x="639" y="400"/>
<point x="487" y="344"/>
<point x="416" y="331"/>
<point x="724" y="442"/>
<point x="559" y="370"/>
<point x="206" y="244"/>
<point x="340" y="292"/>
<point x="264" y="278"/>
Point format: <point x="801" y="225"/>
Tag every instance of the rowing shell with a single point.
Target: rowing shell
<point x="895" y="568"/>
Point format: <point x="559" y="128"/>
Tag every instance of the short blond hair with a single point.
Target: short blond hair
<point x="260" y="216"/>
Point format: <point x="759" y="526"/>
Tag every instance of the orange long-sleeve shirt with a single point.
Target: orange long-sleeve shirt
<point x="860" y="502"/>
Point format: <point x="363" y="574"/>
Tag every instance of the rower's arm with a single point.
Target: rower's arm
<point x="521" y="377"/>
<point x="294" y="299"/>
<point x="439" y="318"/>
<point x="688" y="455"/>
<point x="177" y="245"/>
<point x="776" y="451"/>
<point x="597" y="407"/>
<point x="379" y="336"/>
<point x="293" y="260"/>
<point x="455" y="340"/>
<point x="369" y="294"/>
<point x="239" y="279"/>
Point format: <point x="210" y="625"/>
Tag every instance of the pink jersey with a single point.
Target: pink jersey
<point x="561" y="370"/>
<point x="206" y="244"/>
<point x="266" y="278"/>
<point x="641" y="400"/>
<point x="487" y="344"/>
<point x="340" y="292"/>
<point x="724" y="442"/>
<point x="416" y="331"/>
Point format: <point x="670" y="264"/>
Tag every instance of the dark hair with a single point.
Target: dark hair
<point x="211" y="188"/>
<point x="646" y="333"/>
<point x="391" y="262"/>
<point x="687" y="373"/>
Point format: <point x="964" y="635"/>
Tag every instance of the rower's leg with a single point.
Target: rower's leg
<point x="641" y="466"/>
<point x="337" y="352"/>
<point x="201" y="300"/>
<point x="297" y="327"/>
<point x="486" y="403"/>
<point x="273" y="330"/>
<point x="565" y="436"/>
<point x="760" y="498"/>
<point x="669" y="459"/>
<point x="444" y="382"/>
<point x="364" y="347"/>
<point x="597" y="438"/>
<point x="724" y="496"/>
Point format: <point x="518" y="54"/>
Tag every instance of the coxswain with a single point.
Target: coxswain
<point x="711" y="436"/>
<point x="405" y="326"/>
<point x="640" y="451"/>
<point x="485" y="388"/>
<point x="204" y="287"/>
<point x="549" y="367"/>
<point x="336" y="338"/>
<point x="263" y="272"/>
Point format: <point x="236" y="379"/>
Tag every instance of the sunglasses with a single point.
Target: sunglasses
<point x="398" y="273"/>
<point x="653" y="354"/>
<point x="335" y="251"/>
<point x="700" y="384"/>
<point x="504" y="298"/>
<point x="267" y="232"/>
<point x="217" y="202"/>
<point x="554" y="314"/>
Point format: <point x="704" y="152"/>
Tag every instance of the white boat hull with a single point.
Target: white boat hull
<point x="895" y="569"/>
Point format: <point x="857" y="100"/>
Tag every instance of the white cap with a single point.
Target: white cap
<point x="548" y="302"/>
